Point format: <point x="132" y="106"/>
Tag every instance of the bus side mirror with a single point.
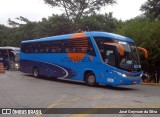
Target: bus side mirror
<point x="144" y="50"/>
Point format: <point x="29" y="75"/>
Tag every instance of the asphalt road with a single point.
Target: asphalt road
<point x="19" y="90"/>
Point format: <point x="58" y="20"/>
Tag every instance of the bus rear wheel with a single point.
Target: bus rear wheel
<point x="35" y="72"/>
<point x="91" y="79"/>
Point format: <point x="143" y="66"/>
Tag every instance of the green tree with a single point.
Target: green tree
<point x="16" y="23"/>
<point x="23" y="19"/>
<point x="151" y="8"/>
<point x="22" y="30"/>
<point x="13" y="23"/>
<point x="98" y="22"/>
<point x="75" y="9"/>
<point x="4" y="32"/>
<point x="60" y="24"/>
<point x="54" y="25"/>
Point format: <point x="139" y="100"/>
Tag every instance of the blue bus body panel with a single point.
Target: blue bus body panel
<point x="56" y="65"/>
<point x="59" y="65"/>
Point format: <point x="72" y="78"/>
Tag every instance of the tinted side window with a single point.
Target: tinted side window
<point x="2" y="51"/>
<point x="101" y="40"/>
<point x="44" y="47"/>
<point x="56" y="46"/>
<point x="100" y="43"/>
<point x="35" y="48"/>
<point x="79" y="45"/>
<point x="110" y="57"/>
<point x="25" y="48"/>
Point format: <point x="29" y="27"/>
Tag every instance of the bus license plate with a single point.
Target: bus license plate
<point x="134" y="82"/>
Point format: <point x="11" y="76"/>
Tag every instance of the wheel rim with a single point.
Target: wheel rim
<point x="91" y="80"/>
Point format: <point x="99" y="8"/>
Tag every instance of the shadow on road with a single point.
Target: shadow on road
<point x="120" y="88"/>
<point x="61" y="80"/>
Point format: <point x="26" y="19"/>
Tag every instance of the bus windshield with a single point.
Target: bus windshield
<point x="9" y="56"/>
<point x="130" y="60"/>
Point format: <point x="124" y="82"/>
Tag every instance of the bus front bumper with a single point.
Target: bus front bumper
<point x="130" y="81"/>
<point x="116" y="81"/>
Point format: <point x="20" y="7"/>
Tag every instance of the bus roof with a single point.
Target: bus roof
<point x="88" y="34"/>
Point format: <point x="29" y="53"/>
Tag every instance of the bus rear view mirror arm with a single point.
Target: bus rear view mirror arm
<point x="144" y="50"/>
<point x="119" y="47"/>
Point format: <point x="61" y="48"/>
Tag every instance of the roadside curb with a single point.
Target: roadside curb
<point x="154" y="84"/>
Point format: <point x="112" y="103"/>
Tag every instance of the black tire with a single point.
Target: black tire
<point x="91" y="79"/>
<point x="35" y="72"/>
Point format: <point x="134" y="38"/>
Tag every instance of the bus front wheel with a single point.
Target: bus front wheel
<point x="91" y="79"/>
<point x="35" y="72"/>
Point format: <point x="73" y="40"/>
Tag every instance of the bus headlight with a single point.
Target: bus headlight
<point x="124" y="75"/>
<point x="16" y="65"/>
<point x="121" y="74"/>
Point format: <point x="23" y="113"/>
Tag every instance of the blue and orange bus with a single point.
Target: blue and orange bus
<point x="92" y="57"/>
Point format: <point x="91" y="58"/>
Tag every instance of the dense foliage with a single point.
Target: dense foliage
<point x="151" y="8"/>
<point x="54" y="25"/>
<point x="75" y="9"/>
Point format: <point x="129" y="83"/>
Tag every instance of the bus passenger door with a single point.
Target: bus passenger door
<point x="110" y="60"/>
